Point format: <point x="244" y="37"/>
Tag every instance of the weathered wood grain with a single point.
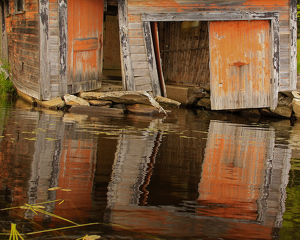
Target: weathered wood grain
<point x="151" y="59"/>
<point x="45" y="85"/>
<point x="127" y="71"/>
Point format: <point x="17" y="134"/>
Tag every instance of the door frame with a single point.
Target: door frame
<point x="273" y="17"/>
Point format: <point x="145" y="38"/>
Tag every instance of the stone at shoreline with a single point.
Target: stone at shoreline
<point x="125" y="97"/>
<point x="296" y="107"/>
<point x="55" y="103"/>
<point x="96" y="111"/>
<point x="296" y="94"/>
<point x="142" y="109"/>
<point x="100" y="103"/>
<point x="167" y="102"/>
<point x="204" y="102"/>
<point x="73" y="100"/>
<point x="284" y="111"/>
<point x="251" y="113"/>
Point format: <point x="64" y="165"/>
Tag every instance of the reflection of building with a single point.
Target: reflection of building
<point x="233" y="170"/>
<point x="134" y="158"/>
<point x="241" y="190"/>
<point x="48" y="153"/>
<point x="15" y="155"/>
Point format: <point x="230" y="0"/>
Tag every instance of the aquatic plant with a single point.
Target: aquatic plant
<point x="14" y="234"/>
<point x="38" y="208"/>
<point x="6" y="85"/>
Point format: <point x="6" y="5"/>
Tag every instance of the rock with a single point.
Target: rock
<point x="284" y="111"/>
<point x="251" y="113"/>
<point x="167" y="102"/>
<point x="125" y="97"/>
<point x="96" y="111"/>
<point x="204" y="102"/>
<point x="284" y="100"/>
<point x="142" y="109"/>
<point x="206" y="87"/>
<point x="267" y="112"/>
<point x="296" y="94"/>
<point x="72" y="100"/>
<point x="296" y="107"/>
<point x="120" y="106"/>
<point x="196" y="96"/>
<point x="55" y="103"/>
<point x="100" y="103"/>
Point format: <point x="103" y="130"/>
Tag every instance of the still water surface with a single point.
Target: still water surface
<point x="191" y="175"/>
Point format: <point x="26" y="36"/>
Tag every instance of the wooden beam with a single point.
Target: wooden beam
<point x="208" y="16"/>
<point x="45" y="87"/>
<point x="151" y="59"/>
<point x="63" y="39"/>
<point x="276" y="66"/>
<point x="293" y="56"/>
<point x="155" y="38"/>
<point x="127" y="72"/>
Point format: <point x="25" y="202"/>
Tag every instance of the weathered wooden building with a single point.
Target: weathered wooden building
<point x="54" y="46"/>
<point x="245" y="50"/>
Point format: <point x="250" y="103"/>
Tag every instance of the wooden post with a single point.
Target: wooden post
<point x="127" y="72"/>
<point x="63" y="39"/>
<point x="45" y="87"/>
<point x="293" y="29"/>
<point x="151" y="59"/>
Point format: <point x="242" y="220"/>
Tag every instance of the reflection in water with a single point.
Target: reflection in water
<point x="185" y="177"/>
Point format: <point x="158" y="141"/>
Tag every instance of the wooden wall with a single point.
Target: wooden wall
<point x="285" y="8"/>
<point x="184" y="52"/>
<point x="49" y="49"/>
<point x="23" y="46"/>
<point x="54" y="49"/>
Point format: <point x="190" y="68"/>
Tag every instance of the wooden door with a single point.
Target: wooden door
<point x="240" y="64"/>
<point x="85" y="28"/>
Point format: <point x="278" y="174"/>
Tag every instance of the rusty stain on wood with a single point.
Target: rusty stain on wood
<point x="85" y="29"/>
<point x="240" y="64"/>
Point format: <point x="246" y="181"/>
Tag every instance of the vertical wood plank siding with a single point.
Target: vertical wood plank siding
<point x="185" y="46"/>
<point x="49" y="50"/>
<point x="23" y="46"/>
<point x="240" y="60"/>
<point x="285" y="9"/>
<point x="54" y="56"/>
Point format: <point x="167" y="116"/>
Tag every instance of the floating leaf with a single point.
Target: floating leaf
<point x="91" y="237"/>
<point x="66" y="190"/>
<point x="53" y="189"/>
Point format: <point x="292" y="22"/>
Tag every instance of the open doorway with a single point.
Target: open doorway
<point x="111" y="44"/>
<point x="184" y="49"/>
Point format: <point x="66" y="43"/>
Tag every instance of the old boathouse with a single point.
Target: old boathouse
<point x="245" y="50"/>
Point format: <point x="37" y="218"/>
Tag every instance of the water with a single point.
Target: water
<point x="191" y="175"/>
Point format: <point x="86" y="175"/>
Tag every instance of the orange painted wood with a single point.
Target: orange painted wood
<point x="240" y="64"/>
<point x="233" y="170"/>
<point x="84" y="45"/>
<point x="85" y="31"/>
